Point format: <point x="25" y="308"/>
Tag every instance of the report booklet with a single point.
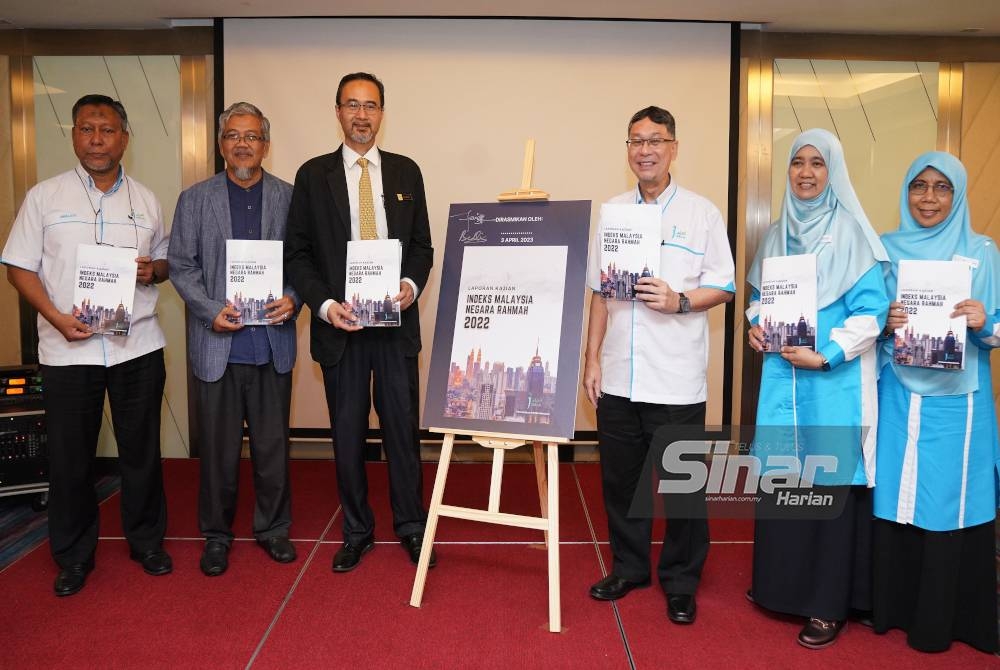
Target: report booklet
<point x="788" y="302"/>
<point x="373" y="281"/>
<point x="630" y="238"/>
<point x="254" y="277"/>
<point x="929" y="291"/>
<point x="105" y="288"/>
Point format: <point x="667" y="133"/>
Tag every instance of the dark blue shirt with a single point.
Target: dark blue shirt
<point x="250" y="344"/>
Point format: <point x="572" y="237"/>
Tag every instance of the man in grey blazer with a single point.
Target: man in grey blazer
<point x="241" y="372"/>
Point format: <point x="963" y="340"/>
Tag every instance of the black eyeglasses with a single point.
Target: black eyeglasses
<point x="97" y="214"/>
<point x="653" y="142"/>
<point x="940" y="188"/>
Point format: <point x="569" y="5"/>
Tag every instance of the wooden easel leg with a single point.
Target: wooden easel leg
<point x="555" y="616"/>
<point x="432" y="518"/>
<point x="538" y="456"/>
<point x="496" y="480"/>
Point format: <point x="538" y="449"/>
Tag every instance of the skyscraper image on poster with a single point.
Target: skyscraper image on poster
<point x="503" y="296"/>
<point x="509" y="325"/>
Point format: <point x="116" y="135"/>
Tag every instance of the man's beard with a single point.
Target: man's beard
<point x="245" y="173"/>
<point x="362" y="135"/>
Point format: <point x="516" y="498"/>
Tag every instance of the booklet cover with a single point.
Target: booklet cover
<point x="630" y="237"/>
<point x="105" y="288"/>
<point x="929" y="291"/>
<point x="788" y="302"/>
<point x="373" y="281"/>
<point x="254" y="277"/>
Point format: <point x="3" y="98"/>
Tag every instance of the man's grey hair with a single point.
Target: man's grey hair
<point x="240" y="109"/>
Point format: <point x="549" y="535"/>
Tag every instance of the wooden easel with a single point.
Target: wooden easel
<point x="548" y="495"/>
<point x="526" y="192"/>
<point x="548" y="485"/>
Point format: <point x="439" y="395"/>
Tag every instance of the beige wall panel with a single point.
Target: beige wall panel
<point x="981" y="156"/>
<point x="10" y="341"/>
<point x="981" y="144"/>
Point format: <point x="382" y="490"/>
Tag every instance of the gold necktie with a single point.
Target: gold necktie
<point x="366" y="204"/>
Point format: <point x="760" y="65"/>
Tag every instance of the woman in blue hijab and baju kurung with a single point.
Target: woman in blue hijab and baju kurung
<point x="806" y="565"/>
<point x="936" y="484"/>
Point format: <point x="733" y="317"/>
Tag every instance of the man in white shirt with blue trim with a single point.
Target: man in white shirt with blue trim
<point x="96" y="203"/>
<point x="646" y="363"/>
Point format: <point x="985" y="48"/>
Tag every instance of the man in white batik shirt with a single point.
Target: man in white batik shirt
<point x="96" y="203"/>
<point x="646" y="364"/>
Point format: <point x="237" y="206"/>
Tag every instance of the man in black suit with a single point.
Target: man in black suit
<point x="332" y="202"/>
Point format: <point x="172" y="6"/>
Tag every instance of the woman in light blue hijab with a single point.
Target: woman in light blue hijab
<point x="833" y="225"/>
<point x="936" y="483"/>
<point x="820" y="402"/>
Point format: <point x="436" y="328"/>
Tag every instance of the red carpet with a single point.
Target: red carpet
<point x="484" y="605"/>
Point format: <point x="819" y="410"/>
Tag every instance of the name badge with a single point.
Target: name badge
<point x="972" y="262"/>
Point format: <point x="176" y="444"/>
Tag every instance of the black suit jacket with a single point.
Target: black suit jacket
<point x="319" y="227"/>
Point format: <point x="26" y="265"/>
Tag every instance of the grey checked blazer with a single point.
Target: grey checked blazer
<point x="197" y="257"/>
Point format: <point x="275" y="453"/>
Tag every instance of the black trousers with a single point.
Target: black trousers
<point x="260" y="396"/>
<point x="625" y="431"/>
<point x="373" y="364"/>
<point x="74" y="404"/>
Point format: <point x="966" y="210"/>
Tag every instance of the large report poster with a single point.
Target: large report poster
<point x="506" y="355"/>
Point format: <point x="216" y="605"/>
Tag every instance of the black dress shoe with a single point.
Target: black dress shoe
<point x="819" y="633"/>
<point x="214" y="558"/>
<point x="413" y="544"/>
<point x="681" y="608"/>
<point x="278" y="548"/>
<point x="349" y="555"/>
<point x="72" y="578"/>
<point x="155" y="562"/>
<point x="614" y="587"/>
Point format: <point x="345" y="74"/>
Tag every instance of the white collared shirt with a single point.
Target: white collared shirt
<point x="648" y="356"/>
<point x="65" y="211"/>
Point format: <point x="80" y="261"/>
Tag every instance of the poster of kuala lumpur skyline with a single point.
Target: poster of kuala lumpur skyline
<point x="502" y="300"/>
<point x="510" y="318"/>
